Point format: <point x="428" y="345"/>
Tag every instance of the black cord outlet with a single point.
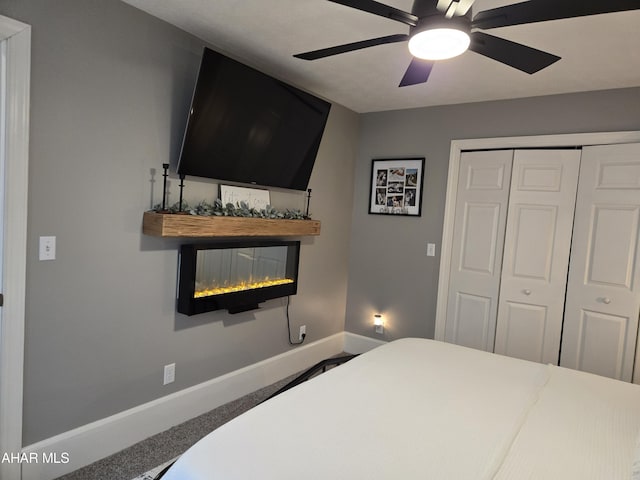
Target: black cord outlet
<point x="304" y="335"/>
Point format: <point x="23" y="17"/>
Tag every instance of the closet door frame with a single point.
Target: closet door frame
<point x="457" y="147"/>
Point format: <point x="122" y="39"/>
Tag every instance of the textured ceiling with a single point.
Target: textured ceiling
<point x="598" y="52"/>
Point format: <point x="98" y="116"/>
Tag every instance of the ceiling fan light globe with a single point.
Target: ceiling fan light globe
<point x="439" y="43"/>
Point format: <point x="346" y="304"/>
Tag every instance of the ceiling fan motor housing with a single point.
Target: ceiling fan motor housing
<point x="439" y="38"/>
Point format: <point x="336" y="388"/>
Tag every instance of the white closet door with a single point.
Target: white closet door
<point x="603" y="292"/>
<point x="476" y="259"/>
<point x="536" y="254"/>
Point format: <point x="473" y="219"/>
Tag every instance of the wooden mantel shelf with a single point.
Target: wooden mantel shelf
<point x="177" y="225"/>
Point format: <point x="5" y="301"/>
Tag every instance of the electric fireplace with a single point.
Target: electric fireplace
<point x="236" y="276"/>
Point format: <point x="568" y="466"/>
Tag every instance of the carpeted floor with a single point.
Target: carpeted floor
<point x="165" y="446"/>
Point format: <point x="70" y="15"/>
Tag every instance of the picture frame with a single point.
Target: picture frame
<point x="396" y="186"/>
<point x="254" y="197"/>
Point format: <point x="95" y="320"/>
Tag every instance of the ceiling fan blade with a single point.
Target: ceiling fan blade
<point x="443" y="5"/>
<point x="418" y="72"/>
<point x="516" y="55"/>
<point x="458" y="8"/>
<point x="451" y="10"/>
<point x="463" y="7"/>
<point x="350" y="47"/>
<point x="543" y="10"/>
<point x="380" y="9"/>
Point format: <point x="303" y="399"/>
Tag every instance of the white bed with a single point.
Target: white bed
<point x="421" y="409"/>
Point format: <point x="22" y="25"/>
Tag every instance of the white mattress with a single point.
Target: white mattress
<point x="582" y="427"/>
<point x="421" y="409"/>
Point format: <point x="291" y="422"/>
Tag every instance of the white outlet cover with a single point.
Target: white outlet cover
<point x="47" y="250"/>
<point x="169" y="373"/>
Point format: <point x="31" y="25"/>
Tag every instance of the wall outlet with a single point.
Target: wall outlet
<point x="169" y="373"/>
<point x="303" y="331"/>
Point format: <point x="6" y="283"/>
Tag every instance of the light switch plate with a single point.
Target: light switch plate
<point x="431" y="249"/>
<point x="47" y="248"/>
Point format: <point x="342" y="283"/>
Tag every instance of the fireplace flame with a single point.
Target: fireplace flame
<point x="240" y="287"/>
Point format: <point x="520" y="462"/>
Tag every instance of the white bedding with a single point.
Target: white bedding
<point x="421" y="409"/>
<point x="583" y="426"/>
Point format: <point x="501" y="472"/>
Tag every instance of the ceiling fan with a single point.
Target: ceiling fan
<point x="440" y="29"/>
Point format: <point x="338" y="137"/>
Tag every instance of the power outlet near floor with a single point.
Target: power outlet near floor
<point x="169" y="374"/>
<point x="302" y="333"/>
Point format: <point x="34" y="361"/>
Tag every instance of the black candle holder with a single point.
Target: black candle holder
<point x="164" y="186"/>
<point x="181" y="189"/>
<point x="308" y="202"/>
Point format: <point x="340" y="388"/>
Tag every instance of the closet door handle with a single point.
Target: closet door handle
<point x="526" y="291"/>
<point x="606" y="300"/>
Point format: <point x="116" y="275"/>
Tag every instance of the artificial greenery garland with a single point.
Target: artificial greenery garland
<point x="241" y="209"/>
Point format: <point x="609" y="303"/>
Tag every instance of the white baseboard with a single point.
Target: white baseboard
<point x="354" y="343"/>
<point x="84" y="445"/>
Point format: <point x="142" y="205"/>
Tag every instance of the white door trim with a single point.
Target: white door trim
<point x="457" y="147"/>
<point x="16" y="155"/>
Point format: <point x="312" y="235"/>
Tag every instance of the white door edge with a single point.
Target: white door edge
<point x="457" y="147"/>
<point x="17" y="36"/>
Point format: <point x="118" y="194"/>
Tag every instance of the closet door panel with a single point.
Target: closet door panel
<point x="471" y="320"/>
<point x="522" y="323"/>
<point x="602" y="339"/>
<point x="614" y="236"/>
<point x="533" y="238"/>
<point x="603" y="292"/>
<point x="480" y="225"/>
<point x="536" y="254"/>
<point x="481" y="209"/>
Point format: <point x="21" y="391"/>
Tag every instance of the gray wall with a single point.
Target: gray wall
<point x="389" y="271"/>
<point x="110" y="91"/>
